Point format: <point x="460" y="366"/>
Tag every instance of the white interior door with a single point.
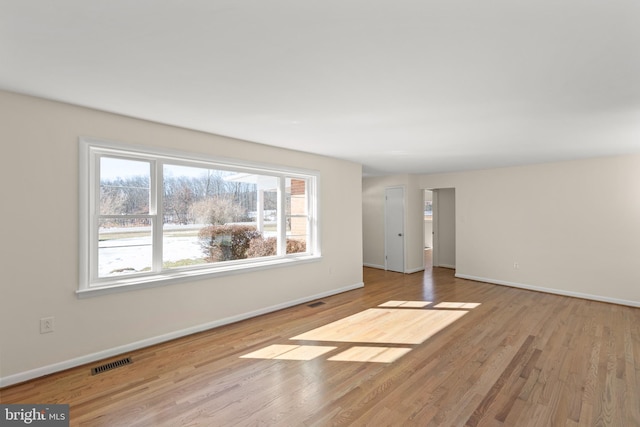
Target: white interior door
<point x="394" y="229"/>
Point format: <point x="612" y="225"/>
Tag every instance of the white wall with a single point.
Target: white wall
<point x="373" y="220"/>
<point x="39" y="251"/>
<point x="572" y="227"/>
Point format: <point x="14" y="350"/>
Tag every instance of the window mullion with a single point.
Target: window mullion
<point x="156" y="206"/>
<point x="310" y="228"/>
<point x="94" y="215"/>
<point x="312" y="212"/>
<point x="282" y="217"/>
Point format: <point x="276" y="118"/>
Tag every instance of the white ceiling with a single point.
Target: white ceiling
<point x="402" y="86"/>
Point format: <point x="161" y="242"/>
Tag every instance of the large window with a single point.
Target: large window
<point x="150" y="216"/>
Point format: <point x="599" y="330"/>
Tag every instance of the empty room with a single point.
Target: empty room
<point x="290" y="213"/>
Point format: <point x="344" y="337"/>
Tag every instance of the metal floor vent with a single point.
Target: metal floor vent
<point x="315" y="304"/>
<point x="111" y="365"/>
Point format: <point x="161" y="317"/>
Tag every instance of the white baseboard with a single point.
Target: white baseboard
<point x="453" y="267"/>
<point x="379" y="267"/>
<point x="414" y="270"/>
<point x="599" y="298"/>
<point x="93" y="357"/>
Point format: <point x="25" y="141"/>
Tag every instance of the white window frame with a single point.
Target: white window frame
<point x="90" y="150"/>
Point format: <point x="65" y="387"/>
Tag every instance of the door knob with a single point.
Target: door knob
<point x="400" y="234"/>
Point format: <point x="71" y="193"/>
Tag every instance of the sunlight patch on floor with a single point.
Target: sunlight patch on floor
<point x="385" y="326"/>
<point x="371" y="354"/>
<point x="289" y="352"/>
<point x="392" y="322"/>
<point x="408" y="304"/>
<point x="464" y="305"/>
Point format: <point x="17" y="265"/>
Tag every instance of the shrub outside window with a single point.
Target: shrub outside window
<point x="152" y="216"/>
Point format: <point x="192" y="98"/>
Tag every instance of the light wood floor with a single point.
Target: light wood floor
<point x="499" y="357"/>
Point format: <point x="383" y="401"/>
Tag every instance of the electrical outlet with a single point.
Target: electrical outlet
<point x="516" y="265"/>
<point x="46" y="325"/>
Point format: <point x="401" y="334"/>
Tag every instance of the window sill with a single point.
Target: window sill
<point x="122" y="284"/>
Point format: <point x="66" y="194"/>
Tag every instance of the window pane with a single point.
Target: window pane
<point x="124" y="246"/>
<point x="124" y="186"/>
<point x="181" y="246"/>
<point x="297" y="216"/>
<point x="216" y="215"/>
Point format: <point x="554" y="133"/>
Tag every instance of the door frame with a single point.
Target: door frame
<point x="434" y="233"/>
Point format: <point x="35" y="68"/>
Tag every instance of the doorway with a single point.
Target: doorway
<point x="428" y="229"/>
<point x="444" y="227"/>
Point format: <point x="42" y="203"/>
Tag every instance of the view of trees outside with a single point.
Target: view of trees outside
<point x="194" y="200"/>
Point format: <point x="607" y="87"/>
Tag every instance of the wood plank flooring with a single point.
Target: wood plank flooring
<point x="513" y="358"/>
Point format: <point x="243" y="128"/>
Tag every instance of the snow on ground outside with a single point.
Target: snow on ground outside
<point x="128" y="255"/>
<point x="135" y="253"/>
